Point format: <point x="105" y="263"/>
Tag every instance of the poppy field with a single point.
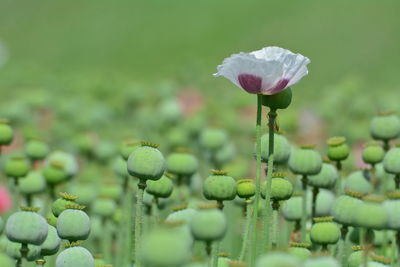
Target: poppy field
<point x="199" y="134"/>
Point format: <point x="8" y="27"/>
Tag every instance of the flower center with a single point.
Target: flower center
<point x="250" y="83"/>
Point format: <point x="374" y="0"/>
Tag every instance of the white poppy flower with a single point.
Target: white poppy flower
<point x="267" y="71"/>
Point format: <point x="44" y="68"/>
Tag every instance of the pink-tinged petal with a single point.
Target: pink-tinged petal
<point x="5" y="200"/>
<point x="250" y="83"/>
<point x="281" y="85"/>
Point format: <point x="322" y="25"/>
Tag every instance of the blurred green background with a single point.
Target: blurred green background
<point x="94" y="55"/>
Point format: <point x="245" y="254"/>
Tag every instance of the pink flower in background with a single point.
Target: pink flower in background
<point x="267" y="71"/>
<point x="5" y="200"/>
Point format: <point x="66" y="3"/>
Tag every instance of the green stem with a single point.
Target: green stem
<point x="342" y="255"/>
<point x="275" y="228"/>
<point x="138" y="220"/>
<point x="398" y="248"/>
<point x="397" y="181"/>
<point x="155" y="211"/>
<point x="304" y="181"/>
<point x="270" y="167"/>
<point x="364" y="244"/>
<point x="253" y="244"/>
<point x="214" y="254"/>
<point x="314" y="202"/>
<point x="246" y="231"/>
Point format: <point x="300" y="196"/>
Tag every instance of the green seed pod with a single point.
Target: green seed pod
<point x="212" y="139"/>
<point x="6" y="261"/>
<point x="127" y="147"/>
<point x="292" y="210"/>
<point x="219" y="186"/>
<point x="356" y="257"/>
<point x="112" y="190"/>
<point x="73" y="224"/>
<point x="162" y="247"/>
<point x="324" y="231"/>
<point x="52" y="243"/>
<point x="14" y="251"/>
<point x="6" y="133"/>
<point x="16" y="167"/>
<point x="161" y="188"/>
<point x="384" y="178"/>
<point x="280" y="100"/>
<point x="321" y="262"/>
<point x="225" y="154"/>
<point x="177" y="137"/>
<point x="392" y="206"/>
<point x="282" y="149"/>
<point x="326" y="178"/>
<point x="67" y="160"/>
<point x="238" y="168"/>
<point x="305" y="161"/>
<point x="182" y="163"/>
<point x="277" y="259"/>
<point x="373" y="153"/>
<point x="104" y="207"/>
<point x="181" y="213"/>
<point x="33" y="183"/>
<point x="325" y="200"/>
<point x="61" y="203"/>
<point x="119" y="167"/>
<point x="358" y="182"/>
<point x="246" y="188"/>
<point x="55" y="173"/>
<point x="345" y="207"/>
<point x="146" y="162"/>
<point x="208" y="224"/>
<point x="51" y="219"/>
<point x="300" y="251"/>
<point x="170" y="111"/>
<point x="75" y="256"/>
<point x="281" y="188"/>
<point x="104" y="151"/>
<point x="36" y="149"/>
<point x="338" y="150"/>
<point x="391" y="161"/>
<point x="385" y="126"/>
<point x="371" y="214"/>
<point x="85" y="193"/>
<point x="26" y="227"/>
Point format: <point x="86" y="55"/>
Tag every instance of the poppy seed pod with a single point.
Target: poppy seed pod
<point x="300" y="250"/>
<point x="127" y="147"/>
<point x="281" y="149"/>
<point x="104" y="207"/>
<point x="161" y="188"/>
<point x="392" y="205"/>
<point x="55" y="173"/>
<point x="281" y="188"/>
<point x="373" y="153"/>
<point x="326" y="178"/>
<point x="61" y="203"/>
<point x="338" y="150"/>
<point x="225" y="154"/>
<point x="146" y="162"/>
<point x="345" y="206"/>
<point x="356" y="257"/>
<point x="27" y="227"/>
<point x="75" y="256"/>
<point x="391" y="161"/>
<point x="68" y="162"/>
<point x="371" y="214"/>
<point x="208" y="224"/>
<point x="277" y="259"/>
<point x="111" y="189"/>
<point x="385" y="126"/>
<point x="212" y="139"/>
<point x="321" y="261"/>
<point x="36" y="149"/>
<point x="182" y="163"/>
<point x="292" y="209"/>
<point x="305" y="161"/>
<point x="246" y="188"/>
<point x="219" y="186"/>
<point x="324" y="231"/>
<point x="280" y="100"/>
<point x="73" y="224"/>
<point x="358" y="181"/>
<point x="164" y="247"/>
<point x="52" y="243"/>
<point x="6" y="133"/>
<point x="33" y="183"/>
<point x="84" y="191"/>
<point x="16" y="167"/>
<point x="14" y="251"/>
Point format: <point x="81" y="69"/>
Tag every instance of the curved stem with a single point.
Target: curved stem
<point x="138" y="220"/>
<point x="304" y="181"/>
<point x="246" y="231"/>
<point x="253" y="245"/>
<point x="270" y="167"/>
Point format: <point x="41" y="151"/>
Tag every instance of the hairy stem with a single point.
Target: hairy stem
<point x="138" y="219"/>
<point x="304" y="181"/>
<point x="246" y="231"/>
